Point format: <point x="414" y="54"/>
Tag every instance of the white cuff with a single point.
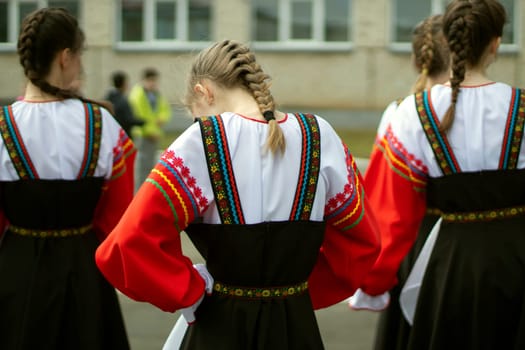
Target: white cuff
<point x="208" y="279"/>
<point x="362" y="301"/>
<point x="189" y="312"/>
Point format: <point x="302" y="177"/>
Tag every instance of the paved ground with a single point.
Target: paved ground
<point x="341" y="328"/>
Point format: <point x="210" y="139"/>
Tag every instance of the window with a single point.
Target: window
<point x="12" y="12"/>
<point x="510" y="30"/>
<point x="301" y="23"/>
<point x="161" y="23"/>
<point x="407" y="14"/>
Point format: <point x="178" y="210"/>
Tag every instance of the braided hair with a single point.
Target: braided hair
<point x="43" y="34"/>
<point x="469" y="27"/>
<point x="231" y="64"/>
<point x="431" y="56"/>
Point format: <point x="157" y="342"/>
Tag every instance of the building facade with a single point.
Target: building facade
<point x="340" y="54"/>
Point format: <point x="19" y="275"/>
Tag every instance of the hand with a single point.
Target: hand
<point x="208" y="279"/>
<point x="189" y="312"/>
<point x="362" y="301"/>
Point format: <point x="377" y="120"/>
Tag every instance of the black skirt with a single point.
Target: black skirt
<point x="272" y="258"/>
<point x="52" y="296"/>
<point x="473" y="291"/>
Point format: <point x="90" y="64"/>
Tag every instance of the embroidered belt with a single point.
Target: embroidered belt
<point x="261" y="292"/>
<point x="433" y="211"/>
<point x="486" y="215"/>
<point x="66" y="232"/>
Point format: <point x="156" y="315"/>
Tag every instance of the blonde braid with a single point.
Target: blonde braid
<point x="426" y="55"/>
<point x="232" y="64"/>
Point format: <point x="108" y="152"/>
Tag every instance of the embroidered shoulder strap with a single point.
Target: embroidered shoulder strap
<point x="437" y="140"/>
<point x="221" y="170"/>
<point x="92" y="141"/>
<point x="15" y="145"/>
<point x="510" y="148"/>
<point x="309" y="170"/>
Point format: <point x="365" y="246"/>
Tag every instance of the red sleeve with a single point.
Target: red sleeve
<point x="395" y="183"/>
<point x="142" y="257"/>
<point x="118" y="190"/>
<point x="350" y="245"/>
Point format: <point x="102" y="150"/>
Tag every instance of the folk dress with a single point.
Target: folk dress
<point x="392" y="329"/>
<point x="281" y="235"/>
<point x="66" y="177"/>
<point x="473" y="290"/>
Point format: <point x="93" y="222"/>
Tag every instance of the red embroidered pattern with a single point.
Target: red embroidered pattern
<point x="341" y="198"/>
<point x="402" y="162"/>
<point x="346" y="207"/>
<point x="122" y="151"/>
<point x="191" y="183"/>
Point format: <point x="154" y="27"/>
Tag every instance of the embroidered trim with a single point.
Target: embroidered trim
<point x="260" y="292"/>
<point x="511" y="145"/>
<point x="433" y="211"/>
<point x="176" y="166"/>
<point x="309" y="168"/>
<point x="168" y="199"/>
<point x="121" y="152"/>
<point x="221" y="170"/>
<point x="402" y="162"/>
<point x="92" y="140"/>
<point x="67" y="232"/>
<point x="481" y="216"/>
<point x="346" y="208"/>
<point x="15" y="145"/>
<point x="438" y="141"/>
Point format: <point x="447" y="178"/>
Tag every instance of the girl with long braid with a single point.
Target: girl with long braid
<point x="274" y="203"/>
<point x="459" y="146"/>
<point x="66" y="177"/>
<point x="430" y="58"/>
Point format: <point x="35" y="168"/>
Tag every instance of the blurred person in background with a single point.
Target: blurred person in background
<point x="150" y="106"/>
<point x="118" y="97"/>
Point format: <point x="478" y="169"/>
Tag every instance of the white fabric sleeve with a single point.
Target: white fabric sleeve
<point x="362" y="301"/>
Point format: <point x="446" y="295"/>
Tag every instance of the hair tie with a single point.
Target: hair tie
<point x="268" y="115"/>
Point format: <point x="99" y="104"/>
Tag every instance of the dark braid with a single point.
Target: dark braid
<point x="469" y="27"/>
<point x="458" y="35"/>
<point x="44" y="33"/>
